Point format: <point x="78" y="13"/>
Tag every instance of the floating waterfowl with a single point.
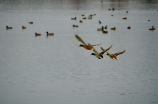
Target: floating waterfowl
<point x="100" y="29"/>
<point x="7" y="27"/>
<point x="126" y="11"/>
<point x="113" y="9"/>
<point x="99" y="22"/>
<point x="100" y="55"/>
<point x="84" y="45"/>
<point x="106" y="27"/>
<point x="109" y="9"/>
<point x="50" y="34"/>
<point x="105" y="32"/>
<point x="74" y="25"/>
<point x="30" y="22"/>
<point x="82" y="15"/>
<point x="112" y="15"/>
<point x="73" y="18"/>
<point x="94" y="14"/>
<point x="80" y="21"/>
<point x="23" y="27"/>
<point x="148" y="20"/>
<point x="84" y="18"/>
<point x="114" y="56"/>
<point x="153" y="28"/>
<point x="114" y="28"/>
<point x="128" y="27"/>
<point x="37" y="34"/>
<point x="124" y="18"/>
<point x="90" y="17"/>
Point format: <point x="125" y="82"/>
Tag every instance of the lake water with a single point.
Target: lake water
<point x="54" y="70"/>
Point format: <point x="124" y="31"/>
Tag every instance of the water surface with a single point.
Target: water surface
<point x="54" y="70"/>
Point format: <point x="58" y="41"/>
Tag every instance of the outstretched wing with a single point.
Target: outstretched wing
<point x="105" y="50"/>
<point x="95" y="51"/>
<point x="118" y="53"/>
<point x="79" y="39"/>
<point x="102" y="48"/>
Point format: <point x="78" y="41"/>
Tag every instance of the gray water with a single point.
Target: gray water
<point x="54" y="70"/>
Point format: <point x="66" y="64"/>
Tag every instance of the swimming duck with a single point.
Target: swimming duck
<point x="128" y="27"/>
<point x="73" y="18"/>
<point x="50" y="34"/>
<point x="114" y="28"/>
<point x="81" y="21"/>
<point x="74" y="25"/>
<point x="153" y="28"/>
<point x="112" y="15"/>
<point x="148" y="20"/>
<point x="37" y="34"/>
<point x="89" y="17"/>
<point x="100" y="29"/>
<point x="126" y="11"/>
<point x="104" y="32"/>
<point x="7" y="27"/>
<point x="82" y="15"/>
<point x="84" y="18"/>
<point x="100" y="55"/>
<point x="114" y="56"/>
<point x="99" y="22"/>
<point x="84" y="45"/>
<point x="109" y="9"/>
<point x="124" y="18"/>
<point x="113" y="9"/>
<point x="23" y="27"/>
<point x="106" y="27"/>
<point x="94" y="14"/>
<point x="30" y="22"/>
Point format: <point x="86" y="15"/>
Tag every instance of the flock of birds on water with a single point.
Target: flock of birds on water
<point x="89" y="46"/>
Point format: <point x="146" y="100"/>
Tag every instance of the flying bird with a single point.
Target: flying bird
<point x="84" y="45"/>
<point x="114" y="56"/>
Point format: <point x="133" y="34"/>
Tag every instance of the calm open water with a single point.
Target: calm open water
<point x="54" y="70"/>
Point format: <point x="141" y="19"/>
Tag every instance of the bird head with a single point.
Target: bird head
<point x="81" y="45"/>
<point x="92" y="53"/>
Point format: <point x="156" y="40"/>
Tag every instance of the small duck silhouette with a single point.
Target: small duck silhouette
<point x="114" y="28"/>
<point x="30" y="22"/>
<point x="100" y="29"/>
<point x="50" y="34"/>
<point x="114" y="56"/>
<point x="7" y="27"/>
<point x="106" y="27"/>
<point x="73" y="18"/>
<point x="128" y="27"/>
<point x="84" y="18"/>
<point x="74" y="25"/>
<point x="153" y="28"/>
<point x="124" y="18"/>
<point x="23" y="27"/>
<point x="37" y="34"/>
<point x="80" y="21"/>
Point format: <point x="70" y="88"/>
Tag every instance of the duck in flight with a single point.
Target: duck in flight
<point x="84" y="45"/>
<point x="114" y="56"/>
<point x="100" y="55"/>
